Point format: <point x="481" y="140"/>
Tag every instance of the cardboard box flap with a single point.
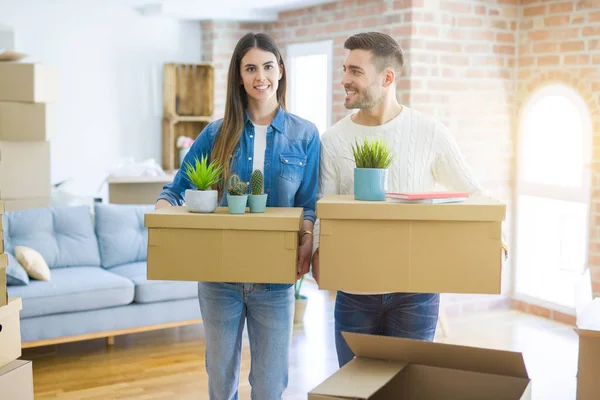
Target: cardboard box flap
<point x="441" y="355"/>
<point x="472" y="209"/>
<point x="285" y="219"/>
<point x="359" y="379"/>
<point x="591" y="333"/>
<point x="14" y="305"/>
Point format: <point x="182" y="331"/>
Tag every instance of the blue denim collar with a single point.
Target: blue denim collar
<point x="278" y="122"/>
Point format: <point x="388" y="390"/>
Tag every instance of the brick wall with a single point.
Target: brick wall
<point x="559" y="41"/>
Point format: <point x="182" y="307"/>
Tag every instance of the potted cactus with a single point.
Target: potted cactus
<point x="257" y="200"/>
<point x="203" y="176"/>
<point x="372" y="160"/>
<point x="237" y="198"/>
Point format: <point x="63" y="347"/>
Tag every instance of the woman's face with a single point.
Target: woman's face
<point x="260" y="74"/>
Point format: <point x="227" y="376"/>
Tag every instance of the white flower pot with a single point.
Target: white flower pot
<point x="201" y="201"/>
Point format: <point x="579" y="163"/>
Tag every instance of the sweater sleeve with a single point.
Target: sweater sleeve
<point x="329" y="182"/>
<point x="450" y="168"/>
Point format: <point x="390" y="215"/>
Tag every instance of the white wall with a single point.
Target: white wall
<point x="110" y="61"/>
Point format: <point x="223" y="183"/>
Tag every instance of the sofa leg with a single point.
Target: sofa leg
<point x="110" y="340"/>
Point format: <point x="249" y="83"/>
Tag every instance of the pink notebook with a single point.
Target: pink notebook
<point x="426" y="195"/>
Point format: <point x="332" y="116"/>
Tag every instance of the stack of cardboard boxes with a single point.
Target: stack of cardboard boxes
<point x="26" y="125"/>
<point x="16" y="376"/>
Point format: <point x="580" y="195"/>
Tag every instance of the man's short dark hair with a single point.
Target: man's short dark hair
<point x="387" y="52"/>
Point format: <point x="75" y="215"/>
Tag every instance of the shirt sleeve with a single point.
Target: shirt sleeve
<point x="329" y="182"/>
<point x="306" y="196"/>
<point x="174" y="192"/>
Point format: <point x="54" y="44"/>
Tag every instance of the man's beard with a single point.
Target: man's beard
<point x="364" y="100"/>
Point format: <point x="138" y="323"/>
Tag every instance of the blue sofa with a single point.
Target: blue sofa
<point x="98" y="285"/>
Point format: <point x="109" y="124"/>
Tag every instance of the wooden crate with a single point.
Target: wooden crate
<point x="172" y="129"/>
<point x="188" y="90"/>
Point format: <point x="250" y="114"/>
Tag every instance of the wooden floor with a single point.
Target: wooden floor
<point x="169" y="364"/>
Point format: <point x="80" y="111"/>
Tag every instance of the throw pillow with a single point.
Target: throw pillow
<point x="15" y="273"/>
<point x="33" y="262"/>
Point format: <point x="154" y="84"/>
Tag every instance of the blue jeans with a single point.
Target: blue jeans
<point x="269" y="313"/>
<point x="405" y="315"/>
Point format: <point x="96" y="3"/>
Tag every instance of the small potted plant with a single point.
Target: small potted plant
<point x="237" y="198"/>
<point x="372" y="160"/>
<point x="204" y="176"/>
<point x="257" y="200"/>
<point x="301" y="301"/>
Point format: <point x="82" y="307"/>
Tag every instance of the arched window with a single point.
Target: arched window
<point x="553" y="196"/>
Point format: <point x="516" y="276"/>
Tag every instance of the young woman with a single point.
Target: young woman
<point x="255" y="133"/>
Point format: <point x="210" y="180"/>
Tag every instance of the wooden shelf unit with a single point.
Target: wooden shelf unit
<point x="188" y="106"/>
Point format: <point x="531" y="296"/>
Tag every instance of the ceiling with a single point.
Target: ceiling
<point x="231" y="10"/>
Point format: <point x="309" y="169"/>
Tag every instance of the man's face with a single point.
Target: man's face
<point x="362" y="82"/>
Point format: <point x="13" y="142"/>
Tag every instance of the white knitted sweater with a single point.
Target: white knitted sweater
<point x="426" y="155"/>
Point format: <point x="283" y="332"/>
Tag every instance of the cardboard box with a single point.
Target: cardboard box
<point x="3" y="290"/>
<point x="24" y="170"/>
<point x="136" y="190"/>
<point x="424" y="248"/>
<point x="404" y="369"/>
<point x="221" y="247"/>
<point x="10" y="334"/>
<point x="16" y="380"/>
<point x="588" y="329"/>
<point x="26" y="122"/>
<point x="25" y="204"/>
<point x="29" y="83"/>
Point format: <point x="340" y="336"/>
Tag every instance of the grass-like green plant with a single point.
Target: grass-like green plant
<point x="203" y="175"/>
<point x="256" y="182"/>
<point x="236" y="186"/>
<point x="372" y="154"/>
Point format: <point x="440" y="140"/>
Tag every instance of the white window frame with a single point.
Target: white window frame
<point x="308" y="49"/>
<point x="555" y="192"/>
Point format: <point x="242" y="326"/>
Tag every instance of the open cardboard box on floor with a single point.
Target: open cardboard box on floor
<point x="16" y="381"/>
<point x="223" y="247"/>
<point x="588" y="329"/>
<point x="10" y="334"/>
<point x="403" y="369"/>
<point x="385" y="246"/>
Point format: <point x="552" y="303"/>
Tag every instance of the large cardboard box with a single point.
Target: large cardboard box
<point x="588" y="329"/>
<point x="424" y="248"/>
<point x="222" y="247"/>
<point x="16" y="381"/>
<point x="27" y="82"/>
<point x="26" y="121"/>
<point x="24" y="170"/>
<point x="27" y="203"/>
<point x="10" y="334"/>
<point x="136" y="190"/>
<point x="403" y="369"/>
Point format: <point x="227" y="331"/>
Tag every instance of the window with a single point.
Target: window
<point x="310" y="83"/>
<point x="553" y="193"/>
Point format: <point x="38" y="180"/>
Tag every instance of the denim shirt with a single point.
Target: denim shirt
<point x="291" y="162"/>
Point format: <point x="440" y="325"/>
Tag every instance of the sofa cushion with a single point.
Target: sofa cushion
<point x="64" y="236"/>
<point x="74" y="289"/>
<point x="15" y="273"/>
<point x="122" y="236"/>
<point x="152" y="291"/>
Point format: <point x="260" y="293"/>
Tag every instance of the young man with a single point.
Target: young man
<point x="426" y="154"/>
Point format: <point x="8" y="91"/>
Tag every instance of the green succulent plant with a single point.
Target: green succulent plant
<point x="256" y="182"/>
<point x="203" y="175"/>
<point x="236" y="186"/>
<point x="372" y="154"/>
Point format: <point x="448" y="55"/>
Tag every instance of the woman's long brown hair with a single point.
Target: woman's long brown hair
<point x="237" y="100"/>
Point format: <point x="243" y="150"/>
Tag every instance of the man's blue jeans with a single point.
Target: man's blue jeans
<point x="269" y="313"/>
<point x="405" y="315"/>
